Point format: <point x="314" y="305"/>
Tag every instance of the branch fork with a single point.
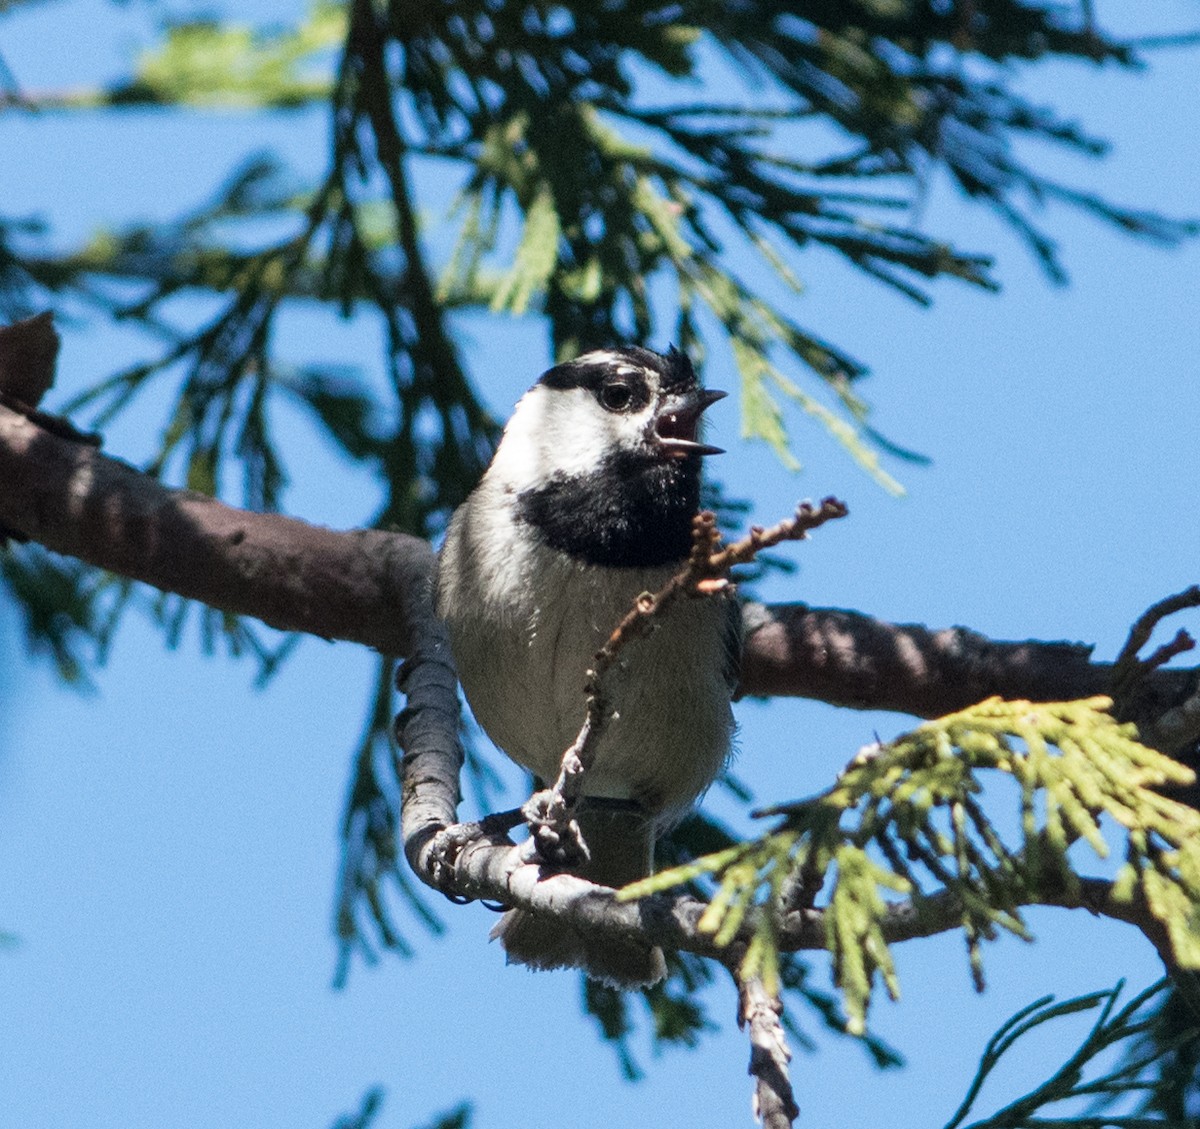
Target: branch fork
<point x="1177" y="727"/>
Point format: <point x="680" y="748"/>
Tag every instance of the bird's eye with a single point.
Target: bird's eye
<point x="616" y="396"/>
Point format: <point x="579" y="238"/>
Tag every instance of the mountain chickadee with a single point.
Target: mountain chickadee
<point x="588" y="502"/>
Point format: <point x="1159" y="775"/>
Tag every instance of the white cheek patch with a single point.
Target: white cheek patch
<point x="561" y="431"/>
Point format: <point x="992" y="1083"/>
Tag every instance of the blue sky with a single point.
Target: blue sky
<point x="168" y="843"/>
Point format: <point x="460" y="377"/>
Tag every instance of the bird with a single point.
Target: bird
<point x="588" y="502"/>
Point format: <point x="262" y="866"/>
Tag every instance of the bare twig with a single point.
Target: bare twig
<point x="1173" y="726"/>
<point x="1129" y="669"/>
<point x="796" y="528"/>
<point x="759" y="1014"/>
<point x="1181" y="644"/>
<point x="550" y="812"/>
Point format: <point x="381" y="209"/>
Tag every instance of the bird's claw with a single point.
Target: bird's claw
<point x="555" y="832"/>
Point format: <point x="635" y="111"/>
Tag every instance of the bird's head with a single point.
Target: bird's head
<point x="603" y="456"/>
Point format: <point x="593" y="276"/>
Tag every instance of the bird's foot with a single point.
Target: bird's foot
<point x="554" y="830"/>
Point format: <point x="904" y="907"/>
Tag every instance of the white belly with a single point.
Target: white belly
<point x="523" y="656"/>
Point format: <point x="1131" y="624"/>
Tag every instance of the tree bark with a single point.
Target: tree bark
<point x="360" y="585"/>
<point x="366" y="586"/>
<point x="850" y="659"/>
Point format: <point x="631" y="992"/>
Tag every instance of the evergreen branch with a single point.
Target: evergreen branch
<point x="1112" y="1028"/>
<point x="206" y="63"/>
<point x="1031" y="1016"/>
<point x="534" y="136"/>
<point x="435" y="375"/>
<point x="896" y="790"/>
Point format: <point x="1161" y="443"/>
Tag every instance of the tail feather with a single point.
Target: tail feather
<point x="621" y="847"/>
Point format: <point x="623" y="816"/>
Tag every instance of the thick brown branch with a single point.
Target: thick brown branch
<point x="357" y="586"/>
<point x="70" y="498"/>
<point x="850" y="659"/>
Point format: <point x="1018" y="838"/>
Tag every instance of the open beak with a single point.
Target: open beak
<point x="677" y="421"/>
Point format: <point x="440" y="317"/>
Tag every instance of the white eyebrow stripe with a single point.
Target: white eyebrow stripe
<point x="621" y="364"/>
<point x="601" y="357"/>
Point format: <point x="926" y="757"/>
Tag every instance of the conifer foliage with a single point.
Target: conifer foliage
<point x="633" y="171"/>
